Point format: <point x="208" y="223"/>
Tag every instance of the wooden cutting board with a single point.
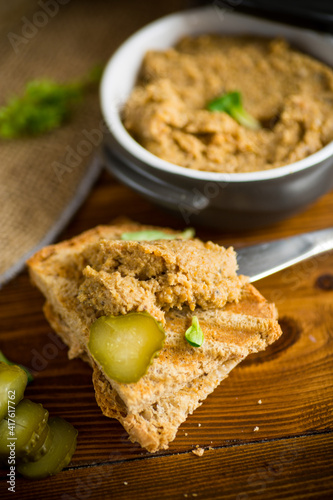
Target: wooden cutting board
<point x="286" y="393"/>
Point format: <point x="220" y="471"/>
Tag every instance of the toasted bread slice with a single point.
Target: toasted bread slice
<point x="182" y="377"/>
<point x="177" y="382"/>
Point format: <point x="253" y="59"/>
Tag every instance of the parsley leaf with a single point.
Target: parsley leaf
<point x="231" y="103"/>
<point x="194" y="334"/>
<point x="44" y="106"/>
<point x="153" y="234"/>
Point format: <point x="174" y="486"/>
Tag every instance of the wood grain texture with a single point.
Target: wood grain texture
<point x="293" y="379"/>
<point x="283" y="469"/>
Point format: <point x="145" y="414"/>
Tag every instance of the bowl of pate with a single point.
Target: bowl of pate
<point x="165" y="95"/>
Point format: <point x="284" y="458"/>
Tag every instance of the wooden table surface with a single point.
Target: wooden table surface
<point x="290" y="456"/>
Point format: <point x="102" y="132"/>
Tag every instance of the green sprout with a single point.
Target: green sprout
<point x="232" y="104"/>
<point x="194" y="334"/>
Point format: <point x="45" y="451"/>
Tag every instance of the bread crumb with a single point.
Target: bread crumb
<point x="185" y="495"/>
<point x="198" y="451"/>
<point x="186" y="434"/>
<point x="199" y="425"/>
<point x="256" y="429"/>
<point x="259" y="401"/>
<point x="125" y="483"/>
<point x="194" y="494"/>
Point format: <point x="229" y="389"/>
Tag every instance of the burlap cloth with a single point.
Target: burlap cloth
<point x="44" y="180"/>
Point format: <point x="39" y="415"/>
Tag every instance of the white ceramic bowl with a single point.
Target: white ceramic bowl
<point x="232" y="201"/>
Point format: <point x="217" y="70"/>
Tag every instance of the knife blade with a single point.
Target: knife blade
<point x="259" y="261"/>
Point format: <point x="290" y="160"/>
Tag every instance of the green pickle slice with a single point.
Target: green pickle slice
<point x="41" y="447"/>
<point x="24" y="428"/>
<point x="58" y="456"/>
<point x="125" y="346"/>
<point x="13" y="381"/>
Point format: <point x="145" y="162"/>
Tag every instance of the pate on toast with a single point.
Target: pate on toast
<point x="182" y="376"/>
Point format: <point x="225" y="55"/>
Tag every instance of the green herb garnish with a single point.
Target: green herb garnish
<point x="44" y="106"/>
<point x="194" y="334"/>
<point x="6" y="360"/>
<point x="153" y="234"/>
<point x="231" y="103"/>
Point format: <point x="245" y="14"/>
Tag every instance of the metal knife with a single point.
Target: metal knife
<point x="259" y="261"/>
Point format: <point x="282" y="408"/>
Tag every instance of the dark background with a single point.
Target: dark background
<point x="316" y="14"/>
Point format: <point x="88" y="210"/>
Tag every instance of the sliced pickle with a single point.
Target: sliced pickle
<point x="24" y="368"/>
<point x="126" y="345"/>
<point x="24" y="428"/>
<point x="58" y="456"/>
<point x="13" y="381"/>
<point x="41" y="447"/>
